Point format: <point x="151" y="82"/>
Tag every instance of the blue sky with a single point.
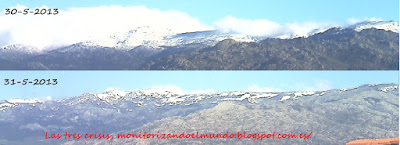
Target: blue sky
<point x="73" y="83"/>
<point x="280" y="11"/>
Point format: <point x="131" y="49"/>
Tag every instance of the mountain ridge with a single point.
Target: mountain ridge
<point x="171" y="95"/>
<point x="351" y="111"/>
<point x="156" y="39"/>
<point x="369" y="48"/>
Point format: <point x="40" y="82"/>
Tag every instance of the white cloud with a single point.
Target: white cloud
<point x="303" y="29"/>
<point x="45" y="98"/>
<point x="262" y="27"/>
<point x="48" y="98"/>
<point x="253" y="27"/>
<point x="80" y="24"/>
<point x="352" y="21"/>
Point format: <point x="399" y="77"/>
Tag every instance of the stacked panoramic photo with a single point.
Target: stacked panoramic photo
<point x="199" y="72"/>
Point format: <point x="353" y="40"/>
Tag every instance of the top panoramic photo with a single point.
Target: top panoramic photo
<point x="199" y="35"/>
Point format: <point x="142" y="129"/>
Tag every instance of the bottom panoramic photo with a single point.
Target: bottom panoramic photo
<point x="199" y="107"/>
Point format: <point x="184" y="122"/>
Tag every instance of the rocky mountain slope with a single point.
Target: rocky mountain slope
<point x="334" y="116"/>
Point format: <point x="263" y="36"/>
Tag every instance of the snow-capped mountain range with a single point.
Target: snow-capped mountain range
<point x="157" y="38"/>
<point x="382" y="25"/>
<point x="159" y="98"/>
<point x="115" y="111"/>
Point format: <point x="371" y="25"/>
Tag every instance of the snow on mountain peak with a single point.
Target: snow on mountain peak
<point x="212" y="37"/>
<point x="24" y="101"/>
<point x="162" y="91"/>
<point x="21" y="48"/>
<point x="115" y="91"/>
<point x="111" y="95"/>
<point x="160" y="37"/>
<point x="15" y="102"/>
<point x="170" y="96"/>
<point x="156" y="38"/>
<point x="153" y="37"/>
<point x="382" y="25"/>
